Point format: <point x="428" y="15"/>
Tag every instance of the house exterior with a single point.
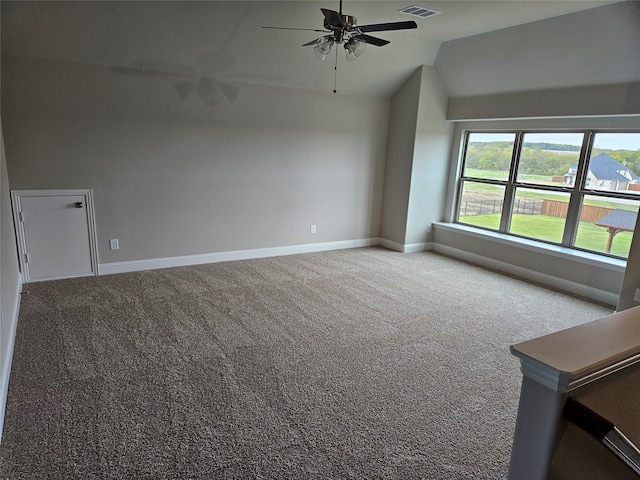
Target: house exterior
<point x="605" y="173"/>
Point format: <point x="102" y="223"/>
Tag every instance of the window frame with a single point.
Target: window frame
<point x="576" y="192"/>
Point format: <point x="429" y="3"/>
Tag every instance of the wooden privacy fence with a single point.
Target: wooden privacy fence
<point x="589" y="213"/>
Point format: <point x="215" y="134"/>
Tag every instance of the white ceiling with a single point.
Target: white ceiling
<point x="225" y="39"/>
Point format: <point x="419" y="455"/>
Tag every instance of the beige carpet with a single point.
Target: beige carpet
<point x="361" y="363"/>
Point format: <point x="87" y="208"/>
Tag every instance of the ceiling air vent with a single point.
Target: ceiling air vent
<point x="416" y="11"/>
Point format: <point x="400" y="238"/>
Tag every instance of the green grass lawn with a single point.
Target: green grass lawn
<point x="544" y="227"/>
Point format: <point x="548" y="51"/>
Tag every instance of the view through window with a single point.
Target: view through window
<point x="576" y="189"/>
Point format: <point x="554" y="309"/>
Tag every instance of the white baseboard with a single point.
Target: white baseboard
<point x="395" y="246"/>
<point x="595" y="294"/>
<point x="7" y="360"/>
<point x="403" y="247"/>
<point x="415" y="247"/>
<point x="186" y="260"/>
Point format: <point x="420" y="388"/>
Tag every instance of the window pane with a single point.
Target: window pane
<point x="615" y="163"/>
<point x="539" y="214"/>
<point x="606" y="225"/>
<point x="489" y="155"/>
<point x="549" y="158"/>
<point x="481" y="204"/>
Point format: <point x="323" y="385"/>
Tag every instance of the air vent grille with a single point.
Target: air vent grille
<point x="416" y="11"/>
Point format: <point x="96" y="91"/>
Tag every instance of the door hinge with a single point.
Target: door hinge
<point x="21" y="216"/>
<point x="26" y="258"/>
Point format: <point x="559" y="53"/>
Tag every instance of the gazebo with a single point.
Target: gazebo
<point x="617" y="221"/>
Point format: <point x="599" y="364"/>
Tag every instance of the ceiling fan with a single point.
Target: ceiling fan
<point x="344" y="30"/>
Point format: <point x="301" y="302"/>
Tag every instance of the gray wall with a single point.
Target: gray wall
<point x="400" y="151"/>
<point x="176" y="176"/>
<point x="594" y="47"/>
<point x="431" y="158"/>
<point x="603" y="100"/>
<point x="582" y="275"/>
<point x="417" y="161"/>
<point x="10" y="282"/>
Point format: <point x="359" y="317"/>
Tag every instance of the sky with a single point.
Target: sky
<point x="617" y="141"/>
<point x="607" y="141"/>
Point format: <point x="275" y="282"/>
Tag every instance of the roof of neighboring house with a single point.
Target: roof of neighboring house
<point x="604" y="167"/>
<point x="618" y="218"/>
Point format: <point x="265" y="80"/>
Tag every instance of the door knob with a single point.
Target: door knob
<point x="79" y="204"/>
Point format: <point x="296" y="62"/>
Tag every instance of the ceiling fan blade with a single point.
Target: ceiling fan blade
<point x="378" y="42"/>
<point x="381" y="27"/>
<point x="332" y="18"/>
<point x="301" y="29"/>
<point x="312" y="42"/>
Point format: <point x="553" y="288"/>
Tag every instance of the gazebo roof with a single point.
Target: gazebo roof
<point x="620" y="219"/>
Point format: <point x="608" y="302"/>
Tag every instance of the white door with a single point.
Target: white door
<point x="56" y="234"/>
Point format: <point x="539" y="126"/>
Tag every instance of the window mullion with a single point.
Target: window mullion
<point x="575" y="200"/>
<point x="460" y="179"/>
<point x="509" y="193"/>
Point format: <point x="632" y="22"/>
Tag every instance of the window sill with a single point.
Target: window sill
<point x="538" y="247"/>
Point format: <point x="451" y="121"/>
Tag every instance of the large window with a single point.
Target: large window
<point x="576" y="189"/>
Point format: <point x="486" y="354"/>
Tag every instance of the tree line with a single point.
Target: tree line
<point x="538" y="158"/>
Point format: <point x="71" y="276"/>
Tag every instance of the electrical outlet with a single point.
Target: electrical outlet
<point x="313" y="229"/>
<point x="114" y="244"/>
<point x="637" y="295"/>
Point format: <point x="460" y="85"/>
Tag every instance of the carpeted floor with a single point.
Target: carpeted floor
<point x="361" y="363"/>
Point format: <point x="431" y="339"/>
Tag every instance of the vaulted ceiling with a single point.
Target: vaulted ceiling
<point x="226" y="40"/>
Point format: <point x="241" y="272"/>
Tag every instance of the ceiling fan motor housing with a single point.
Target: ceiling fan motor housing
<point x="349" y="25"/>
<point x="350" y="22"/>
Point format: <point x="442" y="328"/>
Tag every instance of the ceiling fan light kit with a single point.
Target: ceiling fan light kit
<point x="354" y="48"/>
<point x="323" y="47"/>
